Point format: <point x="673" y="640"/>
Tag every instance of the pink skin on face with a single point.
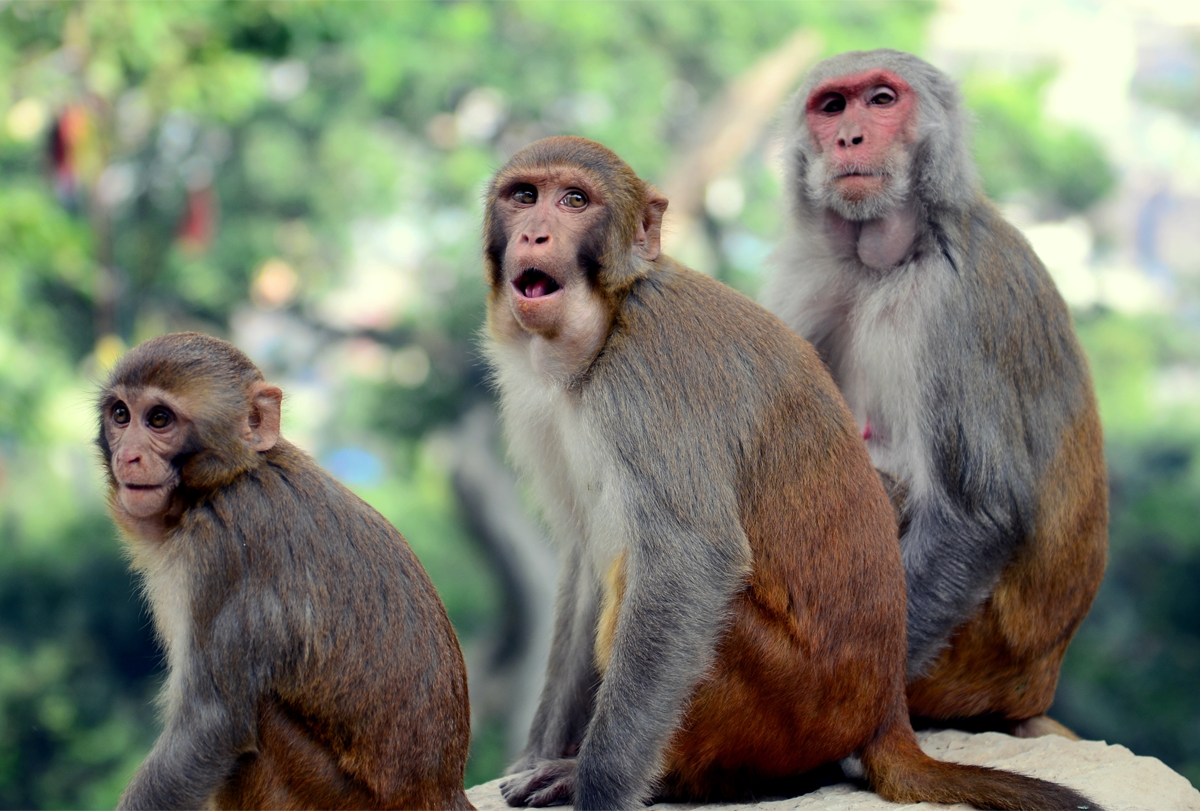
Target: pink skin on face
<point x="548" y="217"/>
<point x="856" y="120"/>
<point x="145" y="430"/>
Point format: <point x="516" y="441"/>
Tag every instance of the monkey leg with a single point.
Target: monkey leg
<point x="980" y="675"/>
<point x="1004" y="660"/>
<point x="776" y="714"/>
<point x="291" y="770"/>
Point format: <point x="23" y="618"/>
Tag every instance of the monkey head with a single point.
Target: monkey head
<point x="567" y="227"/>
<point x="875" y="131"/>
<point x="182" y="412"/>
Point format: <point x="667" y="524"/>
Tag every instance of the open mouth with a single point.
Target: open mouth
<point x="533" y="283"/>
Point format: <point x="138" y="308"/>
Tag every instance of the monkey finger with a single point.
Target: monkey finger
<point x="562" y="792"/>
<point x="551" y="782"/>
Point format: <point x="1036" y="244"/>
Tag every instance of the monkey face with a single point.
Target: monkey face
<point x="553" y="221"/>
<point x="862" y="126"/>
<point x="145" y="430"/>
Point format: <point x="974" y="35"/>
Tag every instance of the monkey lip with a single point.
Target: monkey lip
<point x="143" y="488"/>
<point x="534" y="283"/>
<point x="858" y="186"/>
<point x="145" y="500"/>
<point x="139" y="487"/>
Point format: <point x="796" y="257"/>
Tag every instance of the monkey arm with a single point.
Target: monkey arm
<point x="190" y="760"/>
<point x="211" y="716"/>
<point x="974" y="504"/>
<point x="571" y="676"/>
<point x="1005" y="381"/>
<point x="682" y="577"/>
<point x="196" y="751"/>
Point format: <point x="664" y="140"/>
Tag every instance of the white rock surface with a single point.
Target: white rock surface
<point x="1113" y="776"/>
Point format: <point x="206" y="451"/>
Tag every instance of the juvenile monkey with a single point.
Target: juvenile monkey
<point x="731" y="608"/>
<point x="959" y="360"/>
<point x="312" y="665"/>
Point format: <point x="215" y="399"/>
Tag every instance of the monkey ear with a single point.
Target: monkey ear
<point x="648" y="242"/>
<point x="261" y="429"/>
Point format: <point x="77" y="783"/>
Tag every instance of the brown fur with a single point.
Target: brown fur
<point x="312" y="663"/>
<point x="737" y="618"/>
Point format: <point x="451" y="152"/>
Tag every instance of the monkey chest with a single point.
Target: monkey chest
<point x="876" y="357"/>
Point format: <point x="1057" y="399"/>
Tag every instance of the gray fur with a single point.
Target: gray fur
<point x="678" y="520"/>
<point x="962" y="356"/>
<point x="945" y="176"/>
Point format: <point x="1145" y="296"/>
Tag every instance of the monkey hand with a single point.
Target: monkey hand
<point x="546" y="782"/>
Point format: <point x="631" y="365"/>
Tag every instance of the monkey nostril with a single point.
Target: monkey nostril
<point x="856" y="140"/>
<point x="542" y="240"/>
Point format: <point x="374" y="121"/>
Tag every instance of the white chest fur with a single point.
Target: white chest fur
<point x="871" y="329"/>
<point x="166" y="585"/>
<point x="564" y="460"/>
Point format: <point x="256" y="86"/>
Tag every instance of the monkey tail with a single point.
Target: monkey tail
<point x="898" y="770"/>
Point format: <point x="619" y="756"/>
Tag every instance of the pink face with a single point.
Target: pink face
<point x="549" y="215"/>
<point x="145" y="430"/>
<point x="856" y="121"/>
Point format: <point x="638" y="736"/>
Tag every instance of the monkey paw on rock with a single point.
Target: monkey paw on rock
<point x="545" y="782"/>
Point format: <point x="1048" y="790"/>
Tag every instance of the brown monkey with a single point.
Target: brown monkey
<point x="960" y="363"/>
<point x="731" y="610"/>
<point x="312" y="665"/>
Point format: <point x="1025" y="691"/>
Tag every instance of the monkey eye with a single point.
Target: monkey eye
<point x="575" y="199"/>
<point x="120" y="414"/>
<point x="525" y="194"/>
<point x="882" y="96"/>
<point x="834" y="104"/>
<point x="159" y="417"/>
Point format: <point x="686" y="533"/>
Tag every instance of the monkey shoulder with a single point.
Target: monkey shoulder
<point x="290" y="525"/>
<point x="696" y="351"/>
<point x="1020" y="322"/>
<point x="997" y="259"/>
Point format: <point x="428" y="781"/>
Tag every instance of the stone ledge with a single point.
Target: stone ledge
<point x="1111" y="775"/>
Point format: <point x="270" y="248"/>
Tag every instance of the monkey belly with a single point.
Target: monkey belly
<point x="775" y="707"/>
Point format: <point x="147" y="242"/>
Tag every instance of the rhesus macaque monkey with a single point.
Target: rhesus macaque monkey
<point x="960" y="363"/>
<point x="731" y="609"/>
<point x="312" y="665"/>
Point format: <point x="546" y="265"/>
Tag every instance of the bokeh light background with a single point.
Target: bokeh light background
<point x="305" y="179"/>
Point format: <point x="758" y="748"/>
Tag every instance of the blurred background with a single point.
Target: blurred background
<point x="306" y="180"/>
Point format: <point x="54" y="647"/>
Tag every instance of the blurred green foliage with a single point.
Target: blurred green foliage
<point x="1020" y="150"/>
<point x="307" y="178"/>
<point x="1130" y="675"/>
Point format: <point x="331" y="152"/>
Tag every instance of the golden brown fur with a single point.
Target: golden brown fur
<point x="731" y="614"/>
